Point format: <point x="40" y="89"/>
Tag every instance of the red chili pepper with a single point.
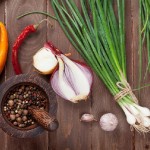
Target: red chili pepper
<point x="52" y="47"/>
<point x="29" y="29"/>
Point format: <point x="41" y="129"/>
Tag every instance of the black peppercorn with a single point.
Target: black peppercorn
<point x="17" y="103"/>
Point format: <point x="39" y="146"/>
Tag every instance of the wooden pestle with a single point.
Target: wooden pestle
<point x="43" y="118"/>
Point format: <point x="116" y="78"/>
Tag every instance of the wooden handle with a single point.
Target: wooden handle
<point x="46" y="120"/>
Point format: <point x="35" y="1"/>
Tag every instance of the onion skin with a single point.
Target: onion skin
<point x="70" y="77"/>
<point x="82" y="64"/>
<point x="47" y="73"/>
<point x="53" y="49"/>
<point x="85" y="65"/>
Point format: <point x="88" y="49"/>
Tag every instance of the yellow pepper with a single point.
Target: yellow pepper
<point x="3" y="46"/>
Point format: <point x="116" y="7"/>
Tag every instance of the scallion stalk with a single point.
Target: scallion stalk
<point x="101" y="42"/>
<point x="99" y="36"/>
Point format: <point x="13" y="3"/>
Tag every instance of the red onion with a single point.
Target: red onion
<point x="72" y="80"/>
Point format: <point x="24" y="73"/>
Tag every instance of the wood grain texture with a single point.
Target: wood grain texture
<point x="3" y="136"/>
<point x="29" y="47"/>
<point x="141" y="142"/>
<point x="72" y="134"/>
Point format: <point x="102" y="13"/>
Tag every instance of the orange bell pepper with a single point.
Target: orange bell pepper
<point x="3" y="46"/>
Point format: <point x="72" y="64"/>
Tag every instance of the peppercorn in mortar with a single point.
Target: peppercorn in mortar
<point x="17" y="102"/>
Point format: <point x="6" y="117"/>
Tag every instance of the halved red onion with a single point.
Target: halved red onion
<point x="73" y="80"/>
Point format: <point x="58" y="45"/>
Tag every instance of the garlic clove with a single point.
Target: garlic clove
<point x="45" y="61"/>
<point x="108" y="122"/>
<point x="87" y="118"/>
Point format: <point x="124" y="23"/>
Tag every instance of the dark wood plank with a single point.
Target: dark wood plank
<point x="3" y="141"/>
<point x="141" y="142"/>
<point x="72" y="134"/>
<point x="29" y="47"/>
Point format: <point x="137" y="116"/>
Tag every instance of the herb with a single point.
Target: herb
<point x="101" y="42"/>
<point x="99" y="36"/>
<point x="20" y="39"/>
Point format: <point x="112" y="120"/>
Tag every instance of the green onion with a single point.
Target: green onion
<point x="99" y="36"/>
<point x="36" y="12"/>
<point x="100" y="40"/>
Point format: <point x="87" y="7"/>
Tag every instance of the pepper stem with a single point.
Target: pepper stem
<point x="37" y="25"/>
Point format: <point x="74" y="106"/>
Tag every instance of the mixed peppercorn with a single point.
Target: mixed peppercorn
<point x="17" y="102"/>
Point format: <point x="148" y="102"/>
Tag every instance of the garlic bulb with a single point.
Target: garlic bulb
<point x="45" y="61"/>
<point x="108" y="122"/>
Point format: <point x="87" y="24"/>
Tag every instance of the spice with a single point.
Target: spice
<point x="3" y="46"/>
<point x="11" y="102"/>
<point x="12" y="117"/>
<point x="29" y="29"/>
<point x="26" y="31"/>
<point x="16" y="109"/>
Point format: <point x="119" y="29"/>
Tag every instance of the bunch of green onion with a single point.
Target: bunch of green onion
<point x="99" y="36"/>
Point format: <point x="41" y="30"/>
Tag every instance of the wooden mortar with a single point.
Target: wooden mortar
<point x="26" y="79"/>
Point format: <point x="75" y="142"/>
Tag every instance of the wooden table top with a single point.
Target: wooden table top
<point x="72" y="134"/>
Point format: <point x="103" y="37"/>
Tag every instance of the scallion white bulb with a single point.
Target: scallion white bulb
<point x="145" y="111"/>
